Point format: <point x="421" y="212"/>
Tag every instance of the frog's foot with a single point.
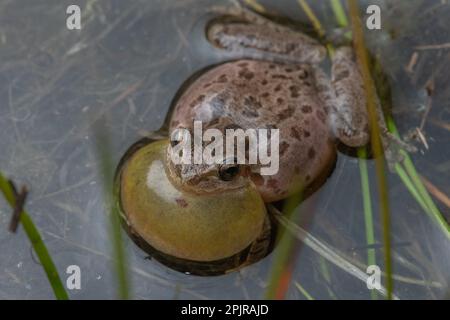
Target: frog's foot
<point x="393" y="147"/>
<point x="240" y="11"/>
<point x="339" y="36"/>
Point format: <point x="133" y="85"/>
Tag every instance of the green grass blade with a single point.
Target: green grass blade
<point x="331" y="254"/>
<point x="116" y="233"/>
<point x="363" y="60"/>
<point x="303" y="291"/>
<point x="312" y="17"/>
<point x="368" y="215"/>
<point x="339" y="13"/>
<point x="280" y="272"/>
<point x="36" y="241"/>
<point x="417" y="187"/>
<point x="410" y="186"/>
<point x="323" y="266"/>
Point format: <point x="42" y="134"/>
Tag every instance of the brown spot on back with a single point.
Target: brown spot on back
<point x="197" y="101"/>
<point x="306" y="133"/>
<point x="303" y="74"/>
<point x="283" y="147"/>
<point x="264" y="82"/>
<point x="214" y="121"/>
<point x="295" y="133"/>
<point x="246" y="74"/>
<point x="286" y="113"/>
<point x="252" y="103"/>
<point x="250" y="113"/>
<point x="311" y="153"/>
<point x="280" y="100"/>
<point x="280" y="76"/>
<point x="277" y="88"/>
<point x="290" y="47"/>
<point x="294" y="91"/>
<point x="341" y="75"/>
<point x="243" y="64"/>
<point x="321" y="116"/>
<point x="306" y="109"/>
<point x="265" y="95"/>
<point x="223" y="79"/>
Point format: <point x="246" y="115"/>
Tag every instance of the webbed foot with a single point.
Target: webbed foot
<point x="394" y="148"/>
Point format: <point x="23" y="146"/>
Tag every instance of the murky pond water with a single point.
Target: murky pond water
<point x="123" y="68"/>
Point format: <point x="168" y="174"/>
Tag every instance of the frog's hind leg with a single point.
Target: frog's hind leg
<point x="254" y="36"/>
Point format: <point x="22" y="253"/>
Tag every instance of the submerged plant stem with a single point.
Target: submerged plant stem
<point x="380" y="167"/>
<point x="281" y="268"/>
<point x="339" y="13"/>
<point x="368" y="216"/>
<point x="312" y="17"/>
<point x="415" y="185"/>
<point x="116" y="233"/>
<point x="39" y="247"/>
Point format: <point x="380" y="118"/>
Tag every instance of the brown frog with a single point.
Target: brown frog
<point x="278" y="84"/>
<point x="196" y="218"/>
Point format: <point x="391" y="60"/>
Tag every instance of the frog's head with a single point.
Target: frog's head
<point x="203" y="176"/>
<point x="209" y="178"/>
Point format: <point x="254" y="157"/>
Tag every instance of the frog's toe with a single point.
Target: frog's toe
<point x="393" y="156"/>
<point x="235" y="10"/>
<point x="240" y="11"/>
<point x="399" y="143"/>
<point x="394" y="149"/>
<point x="339" y="36"/>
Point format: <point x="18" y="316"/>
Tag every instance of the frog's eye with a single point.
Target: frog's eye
<point x="228" y="172"/>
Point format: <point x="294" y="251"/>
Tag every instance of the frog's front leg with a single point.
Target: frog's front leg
<point x="347" y="100"/>
<point x="254" y="36"/>
<point x="349" y="118"/>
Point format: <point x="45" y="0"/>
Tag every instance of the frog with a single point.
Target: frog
<point x="276" y="82"/>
